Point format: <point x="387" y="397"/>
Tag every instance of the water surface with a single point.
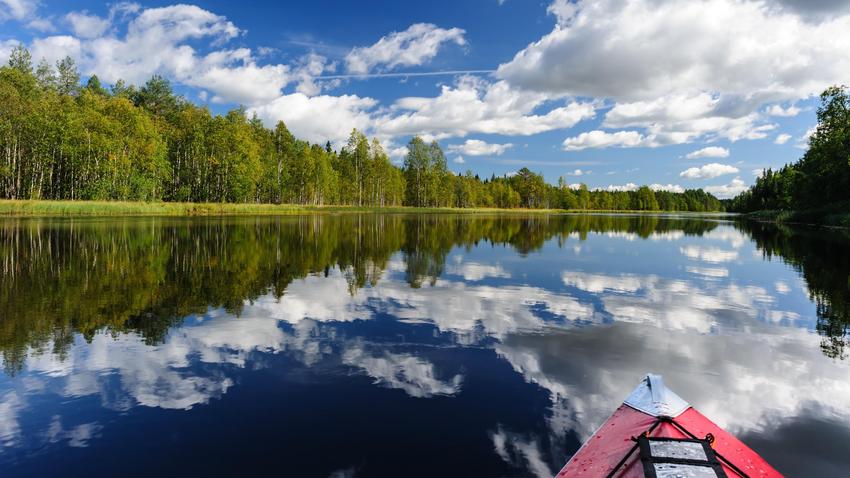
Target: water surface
<point x="381" y="345"/>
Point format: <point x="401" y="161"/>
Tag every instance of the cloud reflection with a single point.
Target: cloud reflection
<point x="416" y="376"/>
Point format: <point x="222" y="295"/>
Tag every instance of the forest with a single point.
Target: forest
<point x="62" y="140"/>
<point x="821" y="178"/>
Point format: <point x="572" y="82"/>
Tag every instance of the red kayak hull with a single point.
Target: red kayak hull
<point x="613" y="440"/>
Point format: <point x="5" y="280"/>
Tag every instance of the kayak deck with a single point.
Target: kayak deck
<point x="613" y="447"/>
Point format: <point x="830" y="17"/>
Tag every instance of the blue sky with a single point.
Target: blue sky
<point x="670" y="93"/>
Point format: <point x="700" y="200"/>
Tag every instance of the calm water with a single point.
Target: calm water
<point x="400" y="345"/>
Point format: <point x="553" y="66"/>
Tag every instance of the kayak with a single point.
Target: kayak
<point x="655" y="433"/>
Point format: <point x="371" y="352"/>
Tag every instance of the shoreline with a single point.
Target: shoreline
<point x="50" y="208"/>
<point x="834" y="216"/>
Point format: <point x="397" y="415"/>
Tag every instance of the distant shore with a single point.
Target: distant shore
<point x="35" y="208"/>
<point x="24" y="208"/>
<point x="834" y="215"/>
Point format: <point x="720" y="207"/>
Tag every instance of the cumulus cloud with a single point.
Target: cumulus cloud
<point x="721" y="64"/>
<point x="709" y="152"/>
<point x="167" y="41"/>
<point x="708" y="171"/>
<point x="6" y="47"/>
<point x="782" y="138"/>
<point x="474" y="105"/>
<point x="318" y="118"/>
<point x="726" y="191"/>
<point x="311" y="66"/>
<point x="85" y="25"/>
<point x="619" y="187"/>
<point x="471" y="105"/>
<point x="598" y="49"/>
<point x="17" y="9"/>
<point x="477" y="147"/>
<point x="777" y="110"/>
<point x="459" y="160"/>
<point x="803" y="141"/>
<point x="54" y="48"/>
<point x="412" y="47"/>
<point x="673" y="188"/>
<point x="602" y="139"/>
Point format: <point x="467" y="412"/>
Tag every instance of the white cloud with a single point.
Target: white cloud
<point x="6" y="47"/>
<point x="726" y="191"/>
<point x="54" y="48"/>
<point x="673" y="188"/>
<point x="778" y="110"/>
<point x="474" y="105"/>
<point x="782" y="138"/>
<point x="412" y="47"/>
<point x="679" y="118"/>
<point x="17" y="9"/>
<point x="803" y="141"/>
<point x="477" y="147"/>
<point x="722" y="68"/>
<point x="318" y="118"/>
<point x="459" y="160"/>
<point x="619" y="187"/>
<point x="599" y="49"/>
<point x="41" y="24"/>
<point x="708" y="171"/>
<point x="310" y="66"/>
<point x="85" y="25"/>
<point x="708" y="152"/>
<point x="159" y="41"/>
<point x="602" y="139"/>
<point x="235" y="77"/>
<point x="577" y="172"/>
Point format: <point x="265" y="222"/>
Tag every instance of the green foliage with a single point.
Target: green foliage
<point x="821" y="177"/>
<point x="60" y="141"/>
<point x="20" y="59"/>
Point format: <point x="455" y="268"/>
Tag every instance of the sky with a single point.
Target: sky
<point x="613" y="94"/>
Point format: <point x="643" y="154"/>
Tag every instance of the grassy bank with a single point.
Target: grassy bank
<point x="833" y="215"/>
<point x="118" y="208"/>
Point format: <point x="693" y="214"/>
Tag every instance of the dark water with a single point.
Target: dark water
<point x="416" y="346"/>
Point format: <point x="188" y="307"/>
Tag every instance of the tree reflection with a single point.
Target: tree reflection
<point x="63" y="277"/>
<point x="822" y="259"/>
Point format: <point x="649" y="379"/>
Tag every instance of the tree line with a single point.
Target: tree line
<point x="60" y="139"/>
<point x="821" y="178"/>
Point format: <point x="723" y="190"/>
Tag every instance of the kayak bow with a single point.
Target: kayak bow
<point x="655" y="433"/>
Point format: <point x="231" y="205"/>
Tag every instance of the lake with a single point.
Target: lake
<point x="388" y="345"/>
